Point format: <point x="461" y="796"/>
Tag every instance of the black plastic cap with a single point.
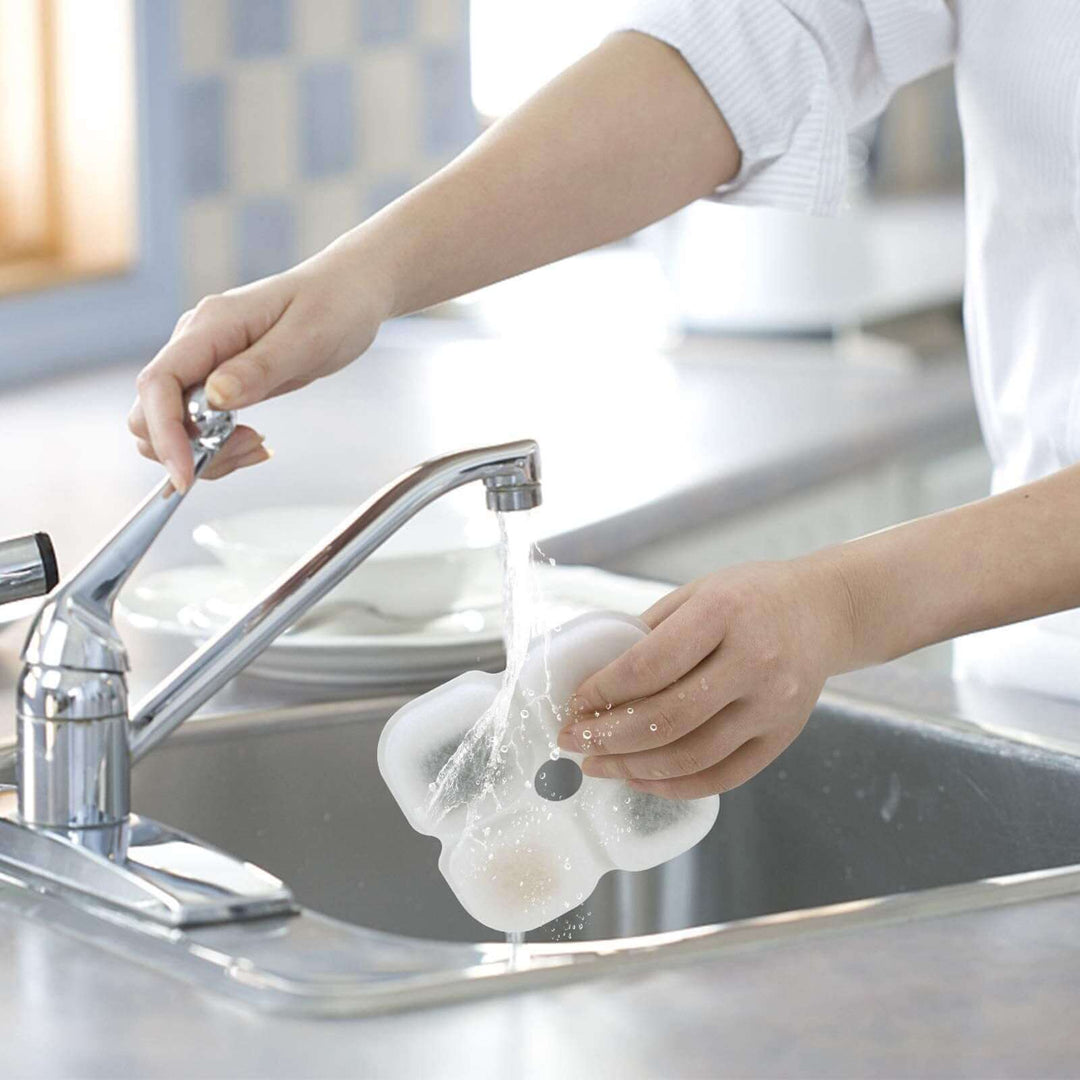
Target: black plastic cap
<point x="48" y="560"/>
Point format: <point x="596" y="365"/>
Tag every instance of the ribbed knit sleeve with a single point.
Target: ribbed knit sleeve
<point x="793" y="77"/>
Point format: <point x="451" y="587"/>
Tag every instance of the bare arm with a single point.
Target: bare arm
<point x="1000" y="560"/>
<point x="736" y="660"/>
<point x="621" y="139"/>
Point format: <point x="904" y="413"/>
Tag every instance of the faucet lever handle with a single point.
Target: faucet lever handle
<point x="209" y="427"/>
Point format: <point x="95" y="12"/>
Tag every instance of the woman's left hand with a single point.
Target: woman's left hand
<point x="723" y="683"/>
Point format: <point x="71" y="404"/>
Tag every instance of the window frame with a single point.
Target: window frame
<point x="128" y="315"/>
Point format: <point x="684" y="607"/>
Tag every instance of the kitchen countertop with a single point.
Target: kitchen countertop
<point x="635" y="446"/>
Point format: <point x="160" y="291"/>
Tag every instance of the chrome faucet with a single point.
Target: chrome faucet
<point x="71" y="826"/>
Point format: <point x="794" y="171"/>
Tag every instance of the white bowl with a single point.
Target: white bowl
<point x="439" y="561"/>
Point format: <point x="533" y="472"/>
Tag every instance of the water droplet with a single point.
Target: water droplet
<point x="555" y="754"/>
<point x="629" y="711"/>
<point x="505" y="749"/>
<point x="652" y="727"/>
<point x="586" y="734"/>
<point x="524" y="714"/>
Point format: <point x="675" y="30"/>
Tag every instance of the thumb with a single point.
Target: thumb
<point x="258" y="371"/>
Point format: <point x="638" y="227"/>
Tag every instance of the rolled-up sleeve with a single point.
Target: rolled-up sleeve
<point x="792" y="78"/>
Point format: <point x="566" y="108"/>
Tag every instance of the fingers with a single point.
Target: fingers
<point x="660" y="719"/>
<point x="264" y="368"/>
<point x="244" y="447"/>
<point x="220" y="328"/>
<point x="217" y="470"/>
<point x="665" y="606"/>
<point x="738" y="767"/>
<point x="677" y="645"/>
<point x="163" y="401"/>
<point x="700" y="749"/>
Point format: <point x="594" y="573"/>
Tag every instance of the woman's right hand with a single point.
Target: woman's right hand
<point x="249" y="344"/>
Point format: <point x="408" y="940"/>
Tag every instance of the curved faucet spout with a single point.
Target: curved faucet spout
<point x="511" y="475"/>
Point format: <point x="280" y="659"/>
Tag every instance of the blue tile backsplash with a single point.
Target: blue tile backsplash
<point x="384" y="21"/>
<point x="449" y="121"/>
<point x="202" y="135"/>
<point x="327" y="119"/>
<point x="265" y="237"/>
<point x="260" y="27"/>
<point x="316" y="168"/>
<point x="385" y="192"/>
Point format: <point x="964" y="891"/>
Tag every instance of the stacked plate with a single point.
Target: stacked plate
<point x="410" y="617"/>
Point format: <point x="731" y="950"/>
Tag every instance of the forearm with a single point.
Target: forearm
<point x="621" y="139"/>
<point x="1000" y="560"/>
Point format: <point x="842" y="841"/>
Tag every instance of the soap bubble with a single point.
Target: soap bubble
<point x="629" y="711"/>
<point x="524" y="714"/>
<point x="586" y="734"/>
<point x="652" y="727"/>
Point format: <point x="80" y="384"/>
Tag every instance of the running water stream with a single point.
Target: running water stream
<point x="491" y="740"/>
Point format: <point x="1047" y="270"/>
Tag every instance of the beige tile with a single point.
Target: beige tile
<point x="326" y="210"/>
<point x="206" y="243"/>
<point x="441" y="20"/>
<point x="204" y="35"/>
<point x="263" y="126"/>
<point x="389" y="113"/>
<point x="325" y="28"/>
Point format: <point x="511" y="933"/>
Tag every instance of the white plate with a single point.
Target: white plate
<point x="438" y="561"/>
<point x="346" y="644"/>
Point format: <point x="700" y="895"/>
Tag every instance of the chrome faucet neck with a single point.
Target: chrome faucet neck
<point x="76" y="743"/>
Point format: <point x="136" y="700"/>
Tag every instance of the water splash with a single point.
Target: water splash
<point x="490" y="740"/>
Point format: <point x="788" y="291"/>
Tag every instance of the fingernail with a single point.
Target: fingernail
<point x="222" y="390"/>
<point x="174" y="477"/>
<point x="568" y="739"/>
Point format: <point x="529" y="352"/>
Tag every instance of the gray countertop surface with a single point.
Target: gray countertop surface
<point x="634" y="448"/>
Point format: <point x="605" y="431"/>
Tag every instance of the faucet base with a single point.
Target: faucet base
<point x="142" y="868"/>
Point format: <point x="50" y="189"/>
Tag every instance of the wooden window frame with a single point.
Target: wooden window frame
<point x="129" y="312"/>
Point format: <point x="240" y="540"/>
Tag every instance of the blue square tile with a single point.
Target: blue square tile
<point x="384" y="191"/>
<point x="449" y="116"/>
<point x="265" y="237"/>
<point x="383" y="22"/>
<point x="327" y="119"/>
<point x="202" y="135"/>
<point x="261" y="27"/>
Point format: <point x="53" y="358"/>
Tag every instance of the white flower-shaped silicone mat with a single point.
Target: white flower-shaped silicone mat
<point x="514" y="858"/>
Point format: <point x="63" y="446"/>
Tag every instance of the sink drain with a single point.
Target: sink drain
<point x="557" y="780"/>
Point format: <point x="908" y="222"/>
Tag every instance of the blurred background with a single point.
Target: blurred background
<point x="154" y="152"/>
<point x="768" y="382"/>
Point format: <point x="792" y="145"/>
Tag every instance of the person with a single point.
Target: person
<point x="749" y="100"/>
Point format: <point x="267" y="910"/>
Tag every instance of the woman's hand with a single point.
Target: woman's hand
<point x="252" y="343"/>
<point x="723" y="683"/>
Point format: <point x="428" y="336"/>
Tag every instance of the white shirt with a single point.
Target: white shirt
<point x="793" y="77"/>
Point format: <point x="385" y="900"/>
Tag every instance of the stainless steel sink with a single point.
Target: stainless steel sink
<point x="866" y="805"/>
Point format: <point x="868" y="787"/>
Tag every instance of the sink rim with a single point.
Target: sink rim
<point x="442" y="971"/>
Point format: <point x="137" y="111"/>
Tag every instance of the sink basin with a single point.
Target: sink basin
<point x="870" y="816"/>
